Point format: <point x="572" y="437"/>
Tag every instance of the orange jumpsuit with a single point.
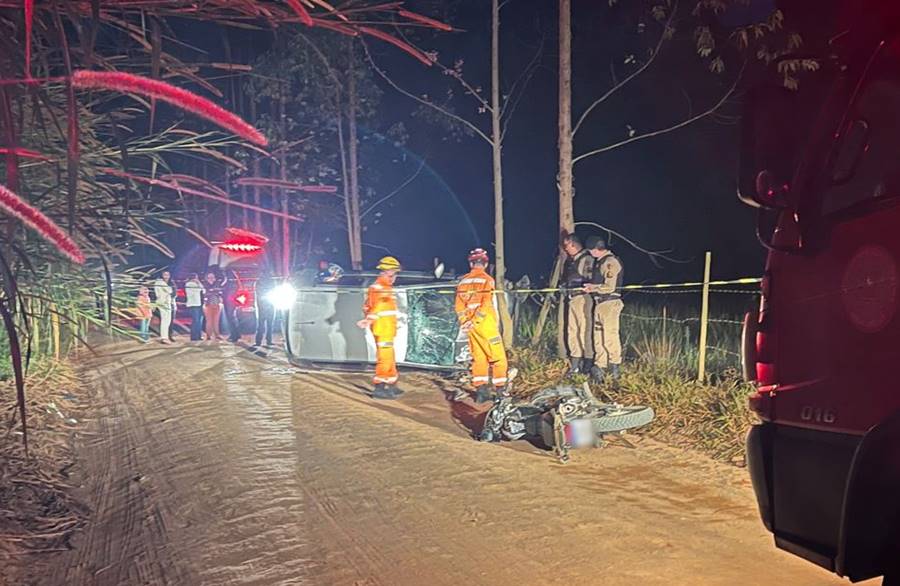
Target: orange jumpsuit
<point x="381" y="308"/>
<point x="475" y="306"/>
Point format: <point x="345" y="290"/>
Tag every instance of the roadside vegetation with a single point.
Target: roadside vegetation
<point x="660" y="370"/>
<point x="39" y="512"/>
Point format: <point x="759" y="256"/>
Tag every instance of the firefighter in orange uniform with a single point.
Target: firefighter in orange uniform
<point x="477" y="317"/>
<point x="380" y="309"/>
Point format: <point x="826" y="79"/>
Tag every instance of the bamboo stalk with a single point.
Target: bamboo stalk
<point x="54" y="329"/>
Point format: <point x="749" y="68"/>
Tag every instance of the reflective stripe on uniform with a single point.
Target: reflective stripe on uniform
<point x="473" y="305"/>
<point x="387" y="313"/>
<point x="385" y="344"/>
<point x="497" y="340"/>
<point x="385" y="379"/>
<point x="472" y="280"/>
<point x="500" y="381"/>
<point x="480" y="379"/>
<point x="372" y="316"/>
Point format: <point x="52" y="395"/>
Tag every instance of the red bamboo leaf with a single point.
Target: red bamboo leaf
<point x="301" y="11"/>
<point x="247" y="235"/>
<point x="24" y="153"/>
<point x="129" y="83"/>
<point x="16" y="207"/>
<point x="181" y="189"/>
<point x="336" y="27"/>
<point x="425" y="20"/>
<point x="397" y="43"/>
<point x="29" y="20"/>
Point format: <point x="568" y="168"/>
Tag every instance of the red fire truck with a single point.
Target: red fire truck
<point x="822" y="165"/>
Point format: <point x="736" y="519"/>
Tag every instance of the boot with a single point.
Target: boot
<point x="483" y="394"/>
<point x="382" y="391"/>
<point x="574" y="366"/>
<point x="394" y="390"/>
<point x="597" y="374"/>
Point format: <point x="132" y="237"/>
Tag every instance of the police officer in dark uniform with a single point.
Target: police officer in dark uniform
<point x="577" y="272"/>
<point x="605" y="287"/>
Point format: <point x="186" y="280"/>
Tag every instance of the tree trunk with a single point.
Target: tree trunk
<point x="566" y="215"/>
<point x="345" y="176"/>
<point x="352" y="103"/>
<point x="497" y="148"/>
<point x="282" y="160"/>
<point x="257" y="219"/>
<point x="564" y="177"/>
<point x="548" y="301"/>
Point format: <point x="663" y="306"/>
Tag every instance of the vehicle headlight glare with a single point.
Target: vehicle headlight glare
<point x="282" y="297"/>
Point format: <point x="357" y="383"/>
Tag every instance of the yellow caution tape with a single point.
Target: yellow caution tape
<point x="451" y="291"/>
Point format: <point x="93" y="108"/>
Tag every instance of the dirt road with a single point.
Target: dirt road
<point x="212" y="465"/>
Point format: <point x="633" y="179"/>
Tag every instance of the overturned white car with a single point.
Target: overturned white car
<point x="321" y="322"/>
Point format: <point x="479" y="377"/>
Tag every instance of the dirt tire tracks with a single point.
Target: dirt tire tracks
<point x="211" y="465"/>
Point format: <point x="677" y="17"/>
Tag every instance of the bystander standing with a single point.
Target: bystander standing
<point x="144" y="313"/>
<point x="265" y="309"/>
<point x="212" y="306"/>
<point x="193" y="293"/>
<point x="162" y="288"/>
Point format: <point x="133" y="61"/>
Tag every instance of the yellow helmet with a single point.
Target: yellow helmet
<point x="388" y="263"/>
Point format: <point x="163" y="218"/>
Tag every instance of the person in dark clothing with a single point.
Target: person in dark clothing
<point x="265" y="310"/>
<point x="231" y="320"/>
<point x="212" y="306"/>
<point x="577" y="273"/>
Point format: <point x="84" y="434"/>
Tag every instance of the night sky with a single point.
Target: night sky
<point x="675" y="192"/>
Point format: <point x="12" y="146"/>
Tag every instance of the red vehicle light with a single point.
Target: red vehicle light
<point x="765" y="373"/>
<point x="243" y="242"/>
<point x="236" y="247"/>
<point x="243" y="298"/>
<point x="764" y="347"/>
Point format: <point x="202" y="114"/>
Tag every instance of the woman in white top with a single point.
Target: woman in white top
<point x="164" y="301"/>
